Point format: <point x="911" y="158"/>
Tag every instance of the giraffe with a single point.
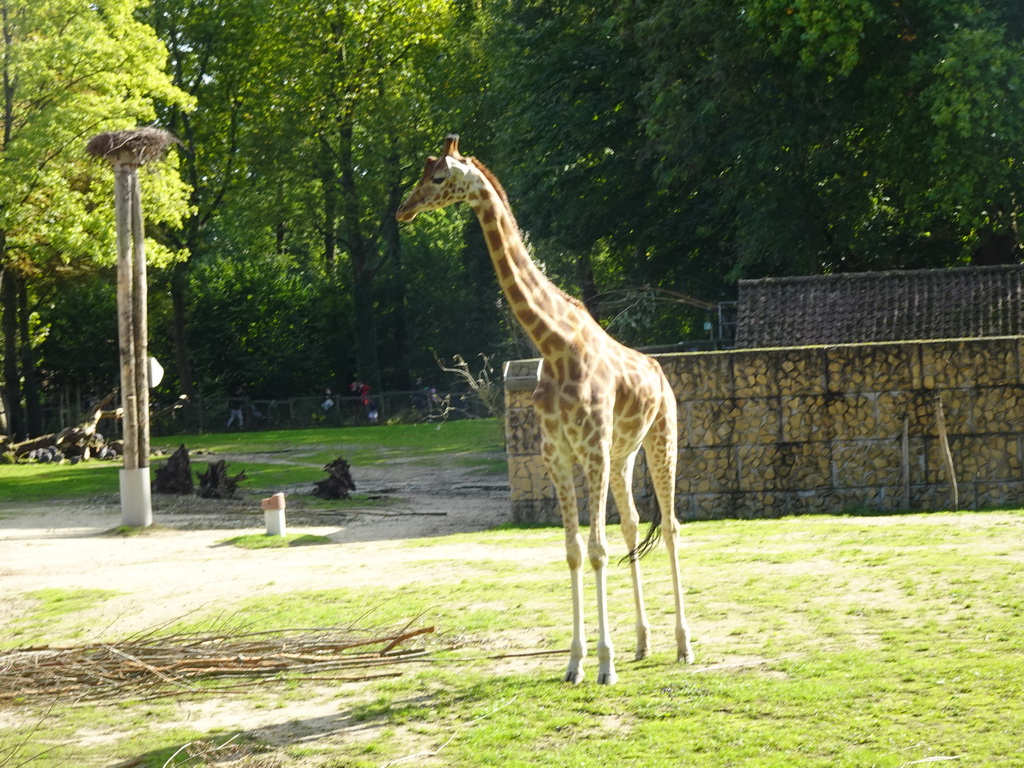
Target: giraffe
<point x="597" y="403"/>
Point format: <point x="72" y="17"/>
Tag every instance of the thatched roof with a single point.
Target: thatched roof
<point x="957" y="303"/>
<point x="137" y="146"/>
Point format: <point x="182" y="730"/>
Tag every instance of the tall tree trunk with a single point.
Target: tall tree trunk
<point x="30" y="387"/>
<point x="392" y="243"/>
<point x="12" y="374"/>
<point x="361" y="251"/>
<point x="179" y="287"/>
<point x="367" y="364"/>
<point x="329" y="185"/>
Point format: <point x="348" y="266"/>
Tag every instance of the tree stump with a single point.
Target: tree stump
<point x="338" y="484"/>
<point x="215" y="483"/>
<point x="176" y="475"/>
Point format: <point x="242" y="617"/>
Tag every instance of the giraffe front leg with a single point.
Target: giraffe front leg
<point x="606" y="674"/>
<point x="597" y="551"/>
<point x="578" y="649"/>
<point x="560" y="468"/>
<point x="574" y="558"/>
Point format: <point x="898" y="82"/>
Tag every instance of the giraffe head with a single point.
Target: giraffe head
<point x="445" y="181"/>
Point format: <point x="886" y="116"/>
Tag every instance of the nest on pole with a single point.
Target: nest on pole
<point x="137" y="146"/>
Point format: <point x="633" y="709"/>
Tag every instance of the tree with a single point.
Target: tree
<point x="804" y="137"/>
<point x="222" y="53"/>
<point x="70" y="69"/>
<point x="357" y="72"/>
<point x="564" y="132"/>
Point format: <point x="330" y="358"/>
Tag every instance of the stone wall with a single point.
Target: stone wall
<point x="770" y="432"/>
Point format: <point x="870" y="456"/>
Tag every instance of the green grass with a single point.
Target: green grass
<point x="266" y="541"/>
<point x="32" y="483"/>
<point x="359" y="445"/>
<point x="299" y="457"/>
<point x="822" y="641"/>
<point x="49" y="606"/>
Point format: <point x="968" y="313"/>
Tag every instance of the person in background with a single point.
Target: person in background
<point x="236" y="408"/>
<point x="328" y="401"/>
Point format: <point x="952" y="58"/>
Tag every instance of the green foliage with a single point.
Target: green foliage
<point x="263" y="308"/>
<point x="77" y="354"/>
<point x="838" y="136"/>
<point x="71" y="70"/>
<point x="653" y="151"/>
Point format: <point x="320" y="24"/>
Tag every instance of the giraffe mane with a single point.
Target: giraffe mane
<point x="489" y="175"/>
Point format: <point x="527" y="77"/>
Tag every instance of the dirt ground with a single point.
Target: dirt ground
<point x="183" y="566"/>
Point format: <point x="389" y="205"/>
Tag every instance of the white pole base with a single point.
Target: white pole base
<point x="273" y="514"/>
<point x="136" y="503"/>
<point x="275" y="522"/>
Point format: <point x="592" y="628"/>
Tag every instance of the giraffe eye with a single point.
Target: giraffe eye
<point x="438" y="180"/>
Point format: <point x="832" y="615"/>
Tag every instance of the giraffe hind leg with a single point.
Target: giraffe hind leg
<point x="622" y="492"/>
<point x="660" y="450"/>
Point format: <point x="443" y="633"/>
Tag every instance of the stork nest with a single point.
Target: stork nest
<point x="138" y="145"/>
<point x="149" y="666"/>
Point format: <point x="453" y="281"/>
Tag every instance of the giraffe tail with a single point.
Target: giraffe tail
<point x="650" y="540"/>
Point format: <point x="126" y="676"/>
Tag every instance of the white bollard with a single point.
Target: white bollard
<point x="273" y="514"/>
<point x="136" y="504"/>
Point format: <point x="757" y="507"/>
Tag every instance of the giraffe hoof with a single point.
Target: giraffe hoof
<point x="607" y="678"/>
<point x="686" y="655"/>
<point x="574" y="675"/>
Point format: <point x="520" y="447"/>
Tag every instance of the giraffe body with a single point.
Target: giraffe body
<point x="597" y="401"/>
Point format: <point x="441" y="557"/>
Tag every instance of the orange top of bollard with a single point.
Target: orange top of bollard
<point x="274" y="502"/>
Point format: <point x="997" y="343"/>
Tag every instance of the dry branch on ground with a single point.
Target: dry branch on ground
<point x="152" y="666"/>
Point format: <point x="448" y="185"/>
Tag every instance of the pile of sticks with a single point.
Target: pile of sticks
<point x="149" y="666"/>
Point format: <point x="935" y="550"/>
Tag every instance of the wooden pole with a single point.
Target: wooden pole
<point x="947" y="455"/>
<point x="126" y="151"/>
<point x="140" y="320"/>
<point x="126" y="315"/>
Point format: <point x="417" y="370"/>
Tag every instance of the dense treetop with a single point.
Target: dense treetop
<point x="655" y="152"/>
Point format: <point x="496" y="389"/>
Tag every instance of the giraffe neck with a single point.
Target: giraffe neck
<point x="551" y="318"/>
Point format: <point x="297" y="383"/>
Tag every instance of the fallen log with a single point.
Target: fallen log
<point x="76" y="443"/>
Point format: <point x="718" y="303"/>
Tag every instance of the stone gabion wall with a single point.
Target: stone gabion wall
<point x="765" y="433"/>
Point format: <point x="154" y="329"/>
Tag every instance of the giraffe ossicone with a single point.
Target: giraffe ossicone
<point x="598" y="402"/>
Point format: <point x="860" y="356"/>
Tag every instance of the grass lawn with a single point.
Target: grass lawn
<point x="822" y="641"/>
<point x="278" y="457"/>
<point x="825" y="641"/>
